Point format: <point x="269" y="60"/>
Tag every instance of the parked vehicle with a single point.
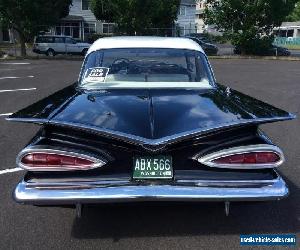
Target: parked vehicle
<point x="53" y="45"/>
<point x="210" y="49"/>
<point x="148" y="121"/>
<point x="200" y="36"/>
<point x="273" y="51"/>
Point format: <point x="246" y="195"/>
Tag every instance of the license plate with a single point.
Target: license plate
<point x="156" y="167"/>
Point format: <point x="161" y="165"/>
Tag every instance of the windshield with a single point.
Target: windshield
<point x="145" y="68"/>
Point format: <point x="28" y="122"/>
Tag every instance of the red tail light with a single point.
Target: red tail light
<point x="249" y="158"/>
<point x="244" y="157"/>
<point x="53" y="160"/>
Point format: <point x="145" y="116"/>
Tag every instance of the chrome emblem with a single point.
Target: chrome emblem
<point x="154" y="148"/>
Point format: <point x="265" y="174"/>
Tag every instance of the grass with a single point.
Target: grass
<point x="292" y="46"/>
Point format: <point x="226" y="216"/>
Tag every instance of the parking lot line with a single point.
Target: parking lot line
<point x="12" y="90"/>
<point x="16" y="63"/>
<point x="10" y="170"/>
<point x="6" y="114"/>
<point x="15" y="77"/>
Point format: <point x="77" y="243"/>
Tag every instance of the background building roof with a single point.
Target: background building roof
<point x="188" y="2"/>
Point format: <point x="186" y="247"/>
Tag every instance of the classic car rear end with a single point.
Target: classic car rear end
<point x="147" y="121"/>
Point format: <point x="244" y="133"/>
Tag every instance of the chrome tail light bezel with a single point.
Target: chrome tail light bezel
<point x="208" y="159"/>
<point x="97" y="162"/>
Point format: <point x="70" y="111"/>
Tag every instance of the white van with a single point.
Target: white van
<point x="53" y="45"/>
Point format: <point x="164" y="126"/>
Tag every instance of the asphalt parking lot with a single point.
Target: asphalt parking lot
<point x="146" y="225"/>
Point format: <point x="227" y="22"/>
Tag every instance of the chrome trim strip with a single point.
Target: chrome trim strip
<point x="111" y="183"/>
<point x="208" y="159"/>
<point x="214" y="82"/>
<point x="50" y="150"/>
<point x="27" y="120"/>
<point x="64" y="195"/>
<point x="154" y="142"/>
<point x="232" y="183"/>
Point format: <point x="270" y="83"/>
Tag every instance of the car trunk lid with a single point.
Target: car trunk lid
<point x="155" y="116"/>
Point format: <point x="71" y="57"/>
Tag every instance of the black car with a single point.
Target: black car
<point x="200" y="36"/>
<point x="209" y="48"/>
<point x="273" y="51"/>
<point x="147" y="121"/>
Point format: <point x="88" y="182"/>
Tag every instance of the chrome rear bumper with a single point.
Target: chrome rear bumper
<point x="124" y="191"/>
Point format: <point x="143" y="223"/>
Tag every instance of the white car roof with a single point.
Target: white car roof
<point x="144" y="42"/>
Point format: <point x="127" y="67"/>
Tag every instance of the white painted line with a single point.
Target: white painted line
<point x="10" y="170"/>
<point x="7" y="114"/>
<point x="12" y="90"/>
<point x="17" y="63"/>
<point x="15" y="77"/>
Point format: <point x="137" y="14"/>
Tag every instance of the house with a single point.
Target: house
<point x="200" y="8"/>
<point x="201" y="27"/>
<point x="191" y="18"/>
<point x="81" y="23"/>
<point x="288" y="35"/>
<point x="288" y="29"/>
<point x="6" y="35"/>
<point x="186" y="17"/>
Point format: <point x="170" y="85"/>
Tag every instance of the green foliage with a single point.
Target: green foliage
<point x="215" y="38"/>
<point x="295" y="15"/>
<point x="248" y="24"/>
<point x="28" y="17"/>
<point x="137" y="16"/>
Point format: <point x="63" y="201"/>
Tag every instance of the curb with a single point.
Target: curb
<point x="279" y="58"/>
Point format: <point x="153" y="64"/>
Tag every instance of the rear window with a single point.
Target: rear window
<point x="44" y="39"/>
<point x="145" y="68"/>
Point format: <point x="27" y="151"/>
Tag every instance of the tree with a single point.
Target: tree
<point x="137" y="16"/>
<point x="295" y="15"/>
<point x="29" y="17"/>
<point x="248" y="24"/>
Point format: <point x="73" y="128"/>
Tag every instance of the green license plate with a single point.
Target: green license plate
<point x="153" y="167"/>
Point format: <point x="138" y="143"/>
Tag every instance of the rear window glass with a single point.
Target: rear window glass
<point x="145" y="68"/>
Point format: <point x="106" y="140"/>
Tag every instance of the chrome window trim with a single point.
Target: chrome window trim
<point x="209" y="158"/>
<point x="210" y="73"/>
<point x="49" y="150"/>
<point x="210" y="68"/>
